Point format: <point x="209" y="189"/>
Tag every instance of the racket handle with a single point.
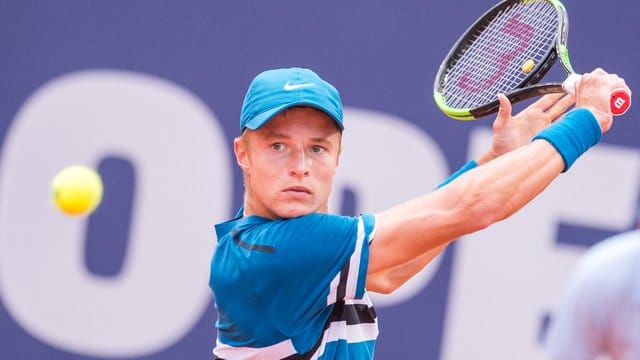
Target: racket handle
<point x="620" y="99"/>
<point x="569" y="85"/>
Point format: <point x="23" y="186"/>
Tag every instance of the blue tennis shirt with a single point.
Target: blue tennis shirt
<point x="293" y="288"/>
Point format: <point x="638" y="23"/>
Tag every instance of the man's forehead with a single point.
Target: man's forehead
<point x="314" y="130"/>
<point x="301" y="116"/>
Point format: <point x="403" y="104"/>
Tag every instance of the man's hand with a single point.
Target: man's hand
<point x="593" y="91"/>
<point x="511" y="132"/>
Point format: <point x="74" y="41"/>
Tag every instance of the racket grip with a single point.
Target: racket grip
<point x="620" y="99"/>
<point x="569" y="85"/>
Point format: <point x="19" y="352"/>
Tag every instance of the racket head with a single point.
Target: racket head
<point x="490" y="58"/>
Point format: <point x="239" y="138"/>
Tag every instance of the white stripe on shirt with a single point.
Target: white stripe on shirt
<point x="276" y="351"/>
<point x="354" y="262"/>
<point x="355" y="333"/>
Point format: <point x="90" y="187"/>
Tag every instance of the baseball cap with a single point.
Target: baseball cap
<point x="273" y="91"/>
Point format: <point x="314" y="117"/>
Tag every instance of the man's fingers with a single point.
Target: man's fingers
<point x="560" y="107"/>
<point x="504" y="112"/>
<point x="546" y="101"/>
<point x="550" y="106"/>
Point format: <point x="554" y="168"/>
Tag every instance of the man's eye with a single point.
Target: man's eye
<point x="317" y="149"/>
<point x="277" y="146"/>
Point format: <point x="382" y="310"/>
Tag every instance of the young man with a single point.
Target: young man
<point x="290" y="280"/>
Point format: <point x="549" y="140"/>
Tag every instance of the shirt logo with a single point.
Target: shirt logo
<point x="289" y="87"/>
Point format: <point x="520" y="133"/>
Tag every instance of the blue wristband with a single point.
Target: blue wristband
<point x="468" y="166"/>
<point x="573" y="135"/>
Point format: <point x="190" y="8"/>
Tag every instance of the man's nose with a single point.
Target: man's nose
<point x="300" y="163"/>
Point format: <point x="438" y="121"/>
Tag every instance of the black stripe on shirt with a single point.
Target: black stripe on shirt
<point x="244" y="245"/>
<point x="341" y="291"/>
<point x="353" y="314"/>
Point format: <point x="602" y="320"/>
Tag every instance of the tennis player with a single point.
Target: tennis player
<point x="290" y="280"/>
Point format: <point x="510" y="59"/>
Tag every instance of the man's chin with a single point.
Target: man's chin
<point x="296" y="211"/>
<point x="293" y="214"/>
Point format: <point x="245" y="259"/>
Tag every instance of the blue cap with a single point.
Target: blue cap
<point x="273" y="91"/>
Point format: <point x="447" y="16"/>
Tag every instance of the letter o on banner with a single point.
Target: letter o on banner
<point x="183" y="187"/>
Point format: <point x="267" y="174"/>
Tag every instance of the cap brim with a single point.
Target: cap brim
<point x="264" y="117"/>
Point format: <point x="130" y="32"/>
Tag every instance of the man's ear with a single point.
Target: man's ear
<point x="240" y="149"/>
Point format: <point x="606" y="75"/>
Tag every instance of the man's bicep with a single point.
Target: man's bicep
<point x="418" y="226"/>
<point x="387" y="281"/>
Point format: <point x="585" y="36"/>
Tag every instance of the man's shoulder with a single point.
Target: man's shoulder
<point x="322" y="222"/>
<point x="609" y="266"/>
<point x="618" y="249"/>
<point x="314" y="225"/>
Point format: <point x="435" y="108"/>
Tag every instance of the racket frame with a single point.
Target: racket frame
<point x="529" y="86"/>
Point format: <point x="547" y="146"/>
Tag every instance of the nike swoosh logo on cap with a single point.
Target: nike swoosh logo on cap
<point x="289" y="87"/>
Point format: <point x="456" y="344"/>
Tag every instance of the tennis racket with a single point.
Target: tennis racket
<point x="508" y="50"/>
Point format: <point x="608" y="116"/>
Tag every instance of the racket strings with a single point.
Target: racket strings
<point x="485" y="57"/>
<point x="538" y="46"/>
<point x="488" y="52"/>
<point x="492" y="60"/>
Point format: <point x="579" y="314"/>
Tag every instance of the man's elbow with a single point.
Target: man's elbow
<point x="384" y="290"/>
<point x="381" y="284"/>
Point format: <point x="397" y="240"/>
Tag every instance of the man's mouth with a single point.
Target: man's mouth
<point x="298" y="189"/>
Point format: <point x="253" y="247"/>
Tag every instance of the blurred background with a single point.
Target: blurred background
<point x="149" y="94"/>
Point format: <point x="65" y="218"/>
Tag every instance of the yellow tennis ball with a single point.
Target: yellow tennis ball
<point x="77" y="190"/>
<point x="528" y="66"/>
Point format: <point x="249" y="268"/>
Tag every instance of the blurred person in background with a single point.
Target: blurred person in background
<point x="599" y="316"/>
